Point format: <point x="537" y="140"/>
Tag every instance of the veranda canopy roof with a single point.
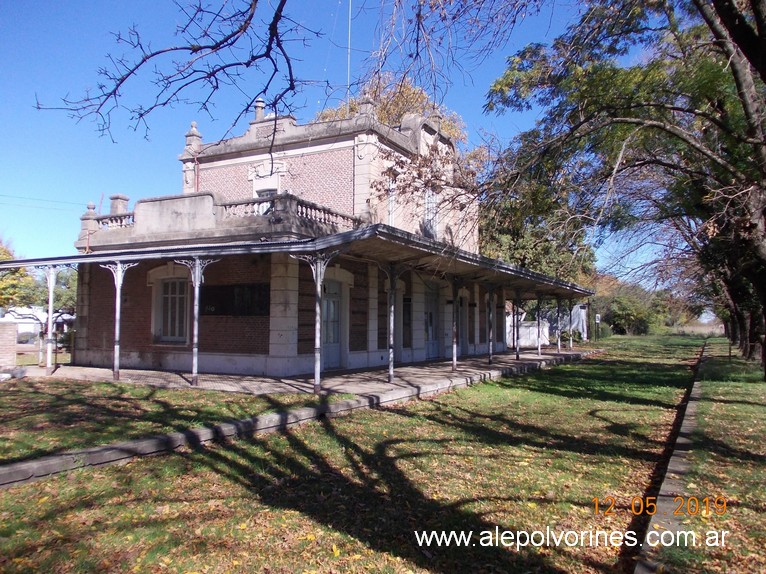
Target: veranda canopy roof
<point x="378" y="243"/>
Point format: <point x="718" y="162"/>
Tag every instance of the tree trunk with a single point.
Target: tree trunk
<point x="757" y="277"/>
<point x="753" y="324"/>
<point x="744" y="328"/>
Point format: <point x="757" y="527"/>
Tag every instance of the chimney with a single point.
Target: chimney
<point x="260" y="105"/>
<point x="118" y="205"/>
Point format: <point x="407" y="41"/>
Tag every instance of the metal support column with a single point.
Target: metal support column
<point x="491" y="320"/>
<point x="539" y="334"/>
<point x="118" y="270"/>
<point x="391" y="322"/>
<point x="571" y="330"/>
<point x="513" y="324"/>
<point x="318" y="263"/>
<point x="50" y="275"/>
<point x="454" y="324"/>
<point x="558" y="325"/>
<point x="393" y="276"/>
<point x="516" y="307"/>
<point x="196" y="268"/>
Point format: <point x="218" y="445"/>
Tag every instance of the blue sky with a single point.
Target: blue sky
<point x="51" y="166"/>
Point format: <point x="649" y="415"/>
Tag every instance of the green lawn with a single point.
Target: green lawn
<point x="347" y="494"/>
<point x="28" y="359"/>
<point x="40" y="416"/>
<point x="729" y="464"/>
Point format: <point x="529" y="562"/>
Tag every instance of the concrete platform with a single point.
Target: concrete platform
<point x="360" y="382"/>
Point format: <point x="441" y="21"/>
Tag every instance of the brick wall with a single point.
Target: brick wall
<point x="407" y="322"/>
<point x="218" y="334"/>
<point x="234" y="335"/>
<point x="326" y="178"/>
<point x="8" y="344"/>
<point x="472" y="315"/>
<point x="306" y="303"/>
<point x="227" y="334"/>
<point x="359" y="307"/>
<point x="227" y="182"/>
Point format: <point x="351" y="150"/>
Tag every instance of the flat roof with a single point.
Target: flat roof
<point x="377" y="243"/>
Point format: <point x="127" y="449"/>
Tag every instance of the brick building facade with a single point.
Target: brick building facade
<point x="286" y="219"/>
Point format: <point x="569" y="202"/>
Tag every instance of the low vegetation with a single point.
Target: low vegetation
<point x="40" y="416"/>
<point x="348" y="494"/>
<point x="729" y="464"/>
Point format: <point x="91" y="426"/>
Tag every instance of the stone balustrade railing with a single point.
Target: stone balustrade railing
<point x="268" y="211"/>
<point x="249" y="208"/>
<point x="284" y="203"/>
<point x="314" y="212"/>
<point x="115" y="221"/>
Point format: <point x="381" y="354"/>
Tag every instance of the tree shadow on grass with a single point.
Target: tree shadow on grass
<point x="718" y="400"/>
<point x="360" y="489"/>
<point x="357" y="489"/>
<point x="369" y="497"/>
<point x="53" y="419"/>
<point x="610" y="381"/>
<point x="354" y="488"/>
<point x="726" y="451"/>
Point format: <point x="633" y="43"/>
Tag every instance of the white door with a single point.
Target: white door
<point x="331" y="325"/>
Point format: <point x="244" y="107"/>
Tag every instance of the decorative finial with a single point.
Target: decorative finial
<point x="193" y="139"/>
<point x="193" y="132"/>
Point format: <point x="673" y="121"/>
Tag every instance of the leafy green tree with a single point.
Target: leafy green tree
<point x="531" y="220"/>
<point x="656" y="112"/>
<point x="628" y="316"/>
<point x="631" y="309"/>
<point x="17" y="286"/>
<point x="393" y="99"/>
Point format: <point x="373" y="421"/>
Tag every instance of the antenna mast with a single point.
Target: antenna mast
<point x="348" y="62"/>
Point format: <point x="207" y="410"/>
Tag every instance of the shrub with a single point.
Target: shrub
<point x="604" y="331"/>
<point x="577" y="336"/>
<point x="26" y="338"/>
